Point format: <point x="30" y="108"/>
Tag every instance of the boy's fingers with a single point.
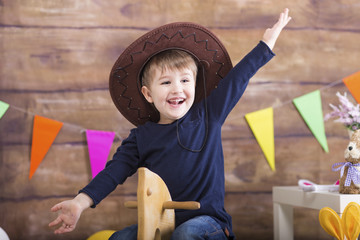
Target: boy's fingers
<point x="288" y="20"/>
<point x="55" y="222"/>
<point x="286" y="12"/>
<point x="284" y="18"/>
<point x="281" y="17"/>
<point x="287" y="17"/>
<point x="56" y="207"/>
<point x="60" y="230"/>
<point x="68" y="229"/>
<point x="64" y="229"/>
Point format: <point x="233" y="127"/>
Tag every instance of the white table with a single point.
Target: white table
<point x="285" y="198"/>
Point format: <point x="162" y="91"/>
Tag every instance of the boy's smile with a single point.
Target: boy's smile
<point x="172" y="92"/>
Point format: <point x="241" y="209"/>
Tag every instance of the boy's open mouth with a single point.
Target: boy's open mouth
<point x="176" y="101"/>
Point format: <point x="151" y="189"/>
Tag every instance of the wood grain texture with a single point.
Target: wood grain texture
<point x="55" y="60"/>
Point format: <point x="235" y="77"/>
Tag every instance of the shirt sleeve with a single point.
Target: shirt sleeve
<point x="230" y="89"/>
<point x="125" y="163"/>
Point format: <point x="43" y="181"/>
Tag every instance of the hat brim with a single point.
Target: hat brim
<point x="125" y="82"/>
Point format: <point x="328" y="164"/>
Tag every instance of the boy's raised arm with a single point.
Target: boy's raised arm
<point x="271" y="34"/>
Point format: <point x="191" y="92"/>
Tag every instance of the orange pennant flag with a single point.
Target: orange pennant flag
<point x="352" y="82"/>
<point x="45" y="131"/>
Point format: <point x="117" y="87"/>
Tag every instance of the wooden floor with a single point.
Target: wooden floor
<point x="55" y="60"/>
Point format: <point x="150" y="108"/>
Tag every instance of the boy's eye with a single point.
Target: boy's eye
<point x="185" y="80"/>
<point x="165" y="83"/>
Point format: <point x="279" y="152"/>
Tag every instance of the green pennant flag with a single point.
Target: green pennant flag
<point x="3" y="108"/>
<point x="310" y="108"/>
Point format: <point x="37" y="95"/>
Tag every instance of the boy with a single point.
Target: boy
<point x="163" y="84"/>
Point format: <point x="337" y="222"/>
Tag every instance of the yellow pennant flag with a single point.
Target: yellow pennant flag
<point x="262" y="125"/>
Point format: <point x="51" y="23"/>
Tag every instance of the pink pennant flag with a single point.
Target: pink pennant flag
<point x="99" y="145"/>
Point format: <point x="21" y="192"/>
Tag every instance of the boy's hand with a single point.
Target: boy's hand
<point x="271" y="34"/>
<point x="70" y="212"/>
<point x="69" y="215"/>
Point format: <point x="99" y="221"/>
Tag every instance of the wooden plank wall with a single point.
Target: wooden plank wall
<point x="55" y="58"/>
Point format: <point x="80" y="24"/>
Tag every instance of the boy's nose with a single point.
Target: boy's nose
<point x="176" y="88"/>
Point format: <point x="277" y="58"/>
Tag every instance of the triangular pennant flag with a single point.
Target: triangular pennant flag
<point x="45" y="131"/>
<point x="262" y="125"/>
<point x="310" y="108"/>
<point x="99" y="145"/>
<point x="3" y="108"/>
<point x="352" y="82"/>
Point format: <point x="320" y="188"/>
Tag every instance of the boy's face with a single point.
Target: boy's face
<point x="172" y="92"/>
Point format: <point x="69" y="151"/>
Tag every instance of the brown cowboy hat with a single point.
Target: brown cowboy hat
<point x="125" y="77"/>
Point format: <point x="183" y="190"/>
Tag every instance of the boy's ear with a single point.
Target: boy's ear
<point x="147" y="94"/>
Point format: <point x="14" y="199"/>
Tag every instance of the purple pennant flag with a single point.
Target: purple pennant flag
<point x="99" y="145"/>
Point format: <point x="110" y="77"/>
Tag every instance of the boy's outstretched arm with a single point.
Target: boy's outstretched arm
<point x="69" y="212"/>
<point x="271" y="34"/>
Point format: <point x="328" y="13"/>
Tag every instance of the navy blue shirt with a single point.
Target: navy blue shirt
<point x="189" y="175"/>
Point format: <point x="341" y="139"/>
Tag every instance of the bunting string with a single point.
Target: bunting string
<point x="82" y="129"/>
<point x="309" y="106"/>
<point x="76" y="127"/>
<point x="261" y="123"/>
<point x="330" y="85"/>
<point x="45" y="131"/>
